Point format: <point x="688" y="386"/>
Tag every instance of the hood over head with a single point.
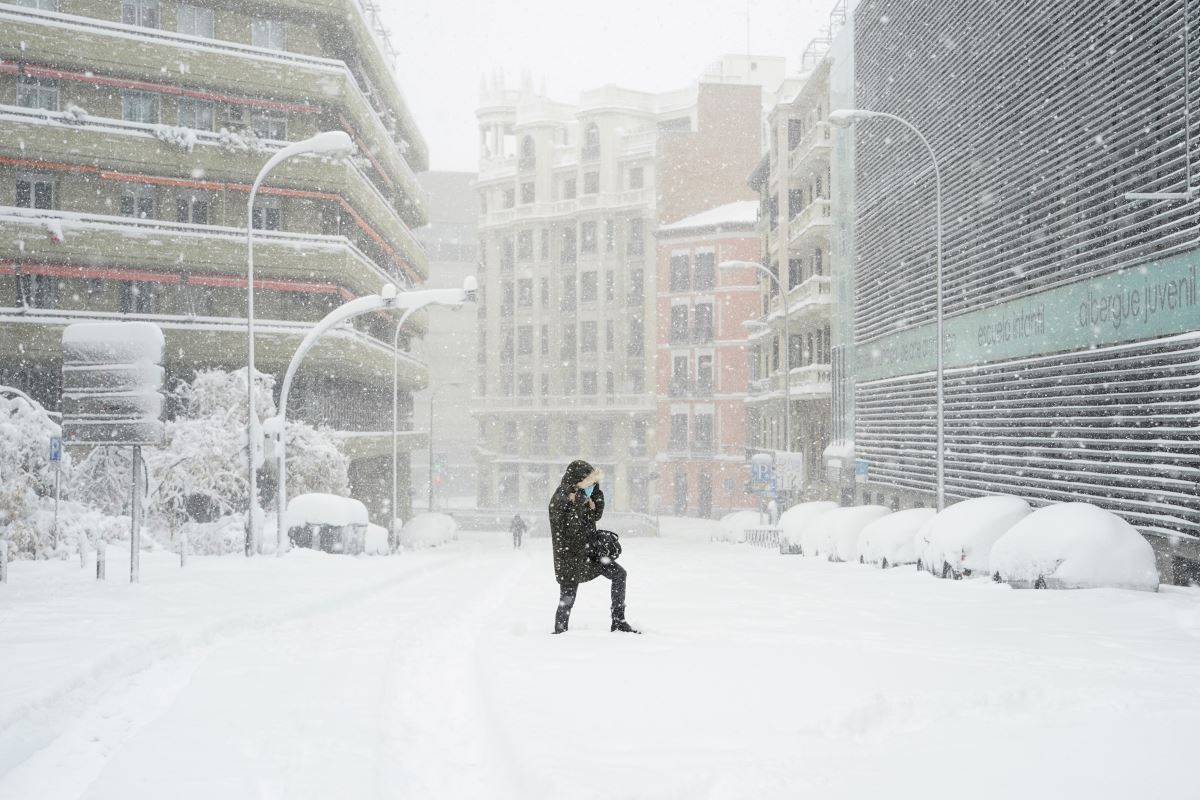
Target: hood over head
<point x="581" y="473"/>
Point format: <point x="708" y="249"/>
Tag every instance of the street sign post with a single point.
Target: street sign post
<point x="56" y="459"/>
<point x="112" y="395"/>
<point x="862" y="470"/>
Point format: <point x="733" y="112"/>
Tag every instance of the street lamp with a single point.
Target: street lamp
<point x="432" y="394"/>
<point x="330" y="144"/>
<point x="787" y="345"/>
<point x="845" y="118"/>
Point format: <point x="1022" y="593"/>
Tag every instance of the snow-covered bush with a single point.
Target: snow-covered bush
<point x="428" y="529"/>
<point x="1074" y="546"/>
<point x="181" y="137"/>
<point x="734" y="524"/>
<point x="842" y="527"/>
<point x="377" y="540"/>
<point x="102" y="479"/>
<point x="26" y="475"/>
<point x="794" y="521"/>
<point x="888" y="541"/>
<point x="961" y="536"/>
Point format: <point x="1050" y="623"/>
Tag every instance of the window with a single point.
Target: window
<point x="37" y="93"/>
<point x="610" y="285"/>
<point x="587" y="336"/>
<point x="40" y="5"/>
<point x="192" y="208"/>
<point x="545" y="292"/>
<point x="637" y="177"/>
<point x="545" y="340"/>
<point x="636" y="293"/>
<point x="545" y="243"/>
<point x="527" y="192"/>
<point x="588" y="289"/>
<point x="567" y="348"/>
<point x="702" y="432"/>
<point x="196" y="114"/>
<point x="795" y="132"/>
<point x="591" y="142"/>
<point x="525" y="292"/>
<point x="139" y="106"/>
<point x="637" y="379"/>
<point x="704" y="275"/>
<point x="795" y="273"/>
<point x="818" y="262"/>
<point x="566" y="243"/>
<point x="528" y="158"/>
<point x="679" y="324"/>
<point x="591" y="182"/>
<point x="269" y="125"/>
<point x="139" y="202"/>
<point x="679" y="431"/>
<point x="510" y="198"/>
<point x="506" y="350"/>
<point x="37" y="291"/>
<point x="525" y="340"/>
<point x="35" y="191"/>
<point x="545" y="384"/>
<point x="795" y="202"/>
<point x="506" y="387"/>
<point x="679" y="376"/>
<point x="143" y="13"/>
<point x="796" y="351"/>
<point x="525" y="245"/>
<point x="568" y="189"/>
<point x="587" y="236"/>
<point x="610" y="236"/>
<point x="506" y="302"/>
<point x="636" y="244"/>
<point x="571" y="436"/>
<point x="541" y="431"/>
<point x="567" y="298"/>
<point x="506" y="254"/>
<point x="268" y="33"/>
<point x="681" y="278"/>
<point x="525" y="385"/>
<point x="704" y="374"/>
<point x="194" y="20"/>
<point x="636" y="338"/>
<point x="268" y="214"/>
<point x="587" y="382"/>
<point x="610" y="388"/>
<point x="609" y="336"/>
<point x="138" y="297"/>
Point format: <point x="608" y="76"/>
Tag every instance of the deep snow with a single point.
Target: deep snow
<point x="433" y="675"/>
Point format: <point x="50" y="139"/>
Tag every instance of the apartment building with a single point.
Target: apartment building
<point x="131" y="132"/>
<point x="569" y="200"/>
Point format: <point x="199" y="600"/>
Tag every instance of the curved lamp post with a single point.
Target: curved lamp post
<point x="787" y="345"/>
<point x="844" y="118"/>
<point x="330" y="144"/>
<point x="388" y="299"/>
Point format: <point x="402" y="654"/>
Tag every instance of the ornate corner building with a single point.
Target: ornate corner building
<point x="131" y="132"/>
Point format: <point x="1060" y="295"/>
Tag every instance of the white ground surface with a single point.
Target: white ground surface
<point x="433" y="675"/>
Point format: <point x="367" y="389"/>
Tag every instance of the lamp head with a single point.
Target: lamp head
<point x="846" y="117"/>
<point x="753" y="325"/>
<point x="388" y="292"/>
<point x="736" y="264"/>
<point x="470" y="288"/>
<point x="331" y="144"/>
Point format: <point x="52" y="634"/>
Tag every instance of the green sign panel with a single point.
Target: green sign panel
<point x="1155" y="299"/>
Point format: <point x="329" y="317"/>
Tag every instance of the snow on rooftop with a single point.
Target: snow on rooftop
<point x="743" y="212"/>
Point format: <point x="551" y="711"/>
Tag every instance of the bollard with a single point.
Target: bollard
<point x="100" y="549"/>
<point x="183" y="548"/>
<point x="3" y="562"/>
<point x="83" y="545"/>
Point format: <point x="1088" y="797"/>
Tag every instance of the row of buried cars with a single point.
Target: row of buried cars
<point x="1059" y="546"/>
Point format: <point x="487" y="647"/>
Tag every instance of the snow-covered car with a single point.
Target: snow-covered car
<point x="428" y="529"/>
<point x="961" y="536"/>
<point x="888" y="541"/>
<point x="841" y="528"/>
<point x="327" y="522"/>
<point x="734" y="524"/>
<point x="1074" y="546"/>
<point x="796" y="519"/>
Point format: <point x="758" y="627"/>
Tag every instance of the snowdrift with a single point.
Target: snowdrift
<point x="428" y="529"/>
<point x="794" y="521"/>
<point x="841" y="528"/>
<point x="733" y="526"/>
<point x="888" y="541"/>
<point x="1074" y="546"/>
<point x="708" y="530"/>
<point x="377" y="540"/>
<point x="961" y="536"/>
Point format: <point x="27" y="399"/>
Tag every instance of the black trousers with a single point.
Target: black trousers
<point x="567" y="591"/>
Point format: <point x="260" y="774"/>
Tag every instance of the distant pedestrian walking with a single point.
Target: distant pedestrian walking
<point x="518" y="529"/>
<point x="580" y="553"/>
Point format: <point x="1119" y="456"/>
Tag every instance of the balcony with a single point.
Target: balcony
<point x="641" y="143"/>
<point x="71" y="42"/>
<point x="497" y="168"/>
<point x="809" y="296"/>
<point x="815" y="218"/>
<point x="816" y="145"/>
<point x="809" y="382"/>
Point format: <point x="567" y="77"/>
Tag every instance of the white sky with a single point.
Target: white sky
<point x="652" y="45"/>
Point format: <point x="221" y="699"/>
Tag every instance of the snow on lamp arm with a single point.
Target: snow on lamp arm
<point x="329" y="144"/>
<point x="388" y="299"/>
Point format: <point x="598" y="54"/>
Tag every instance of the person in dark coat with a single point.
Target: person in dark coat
<point x="517" y="527"/>
<point x="575" y="507"/>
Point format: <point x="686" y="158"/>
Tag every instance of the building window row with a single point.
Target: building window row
<point x="685" y="278"/>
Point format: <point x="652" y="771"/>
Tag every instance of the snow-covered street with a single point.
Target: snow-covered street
<point x="433" y="675"/>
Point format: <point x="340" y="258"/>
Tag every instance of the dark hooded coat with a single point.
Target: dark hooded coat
<point x="573" y="526"/>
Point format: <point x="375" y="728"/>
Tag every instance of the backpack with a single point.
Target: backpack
<point x="606" y="546"/>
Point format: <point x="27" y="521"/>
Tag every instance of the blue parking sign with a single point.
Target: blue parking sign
<point x="56" y="448"/>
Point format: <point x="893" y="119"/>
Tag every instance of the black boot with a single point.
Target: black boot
<point x="619" y="623"/>
<point x="562" y="615"/>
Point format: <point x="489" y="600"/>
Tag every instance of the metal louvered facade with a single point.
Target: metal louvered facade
<point x="1072" y="373"/>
